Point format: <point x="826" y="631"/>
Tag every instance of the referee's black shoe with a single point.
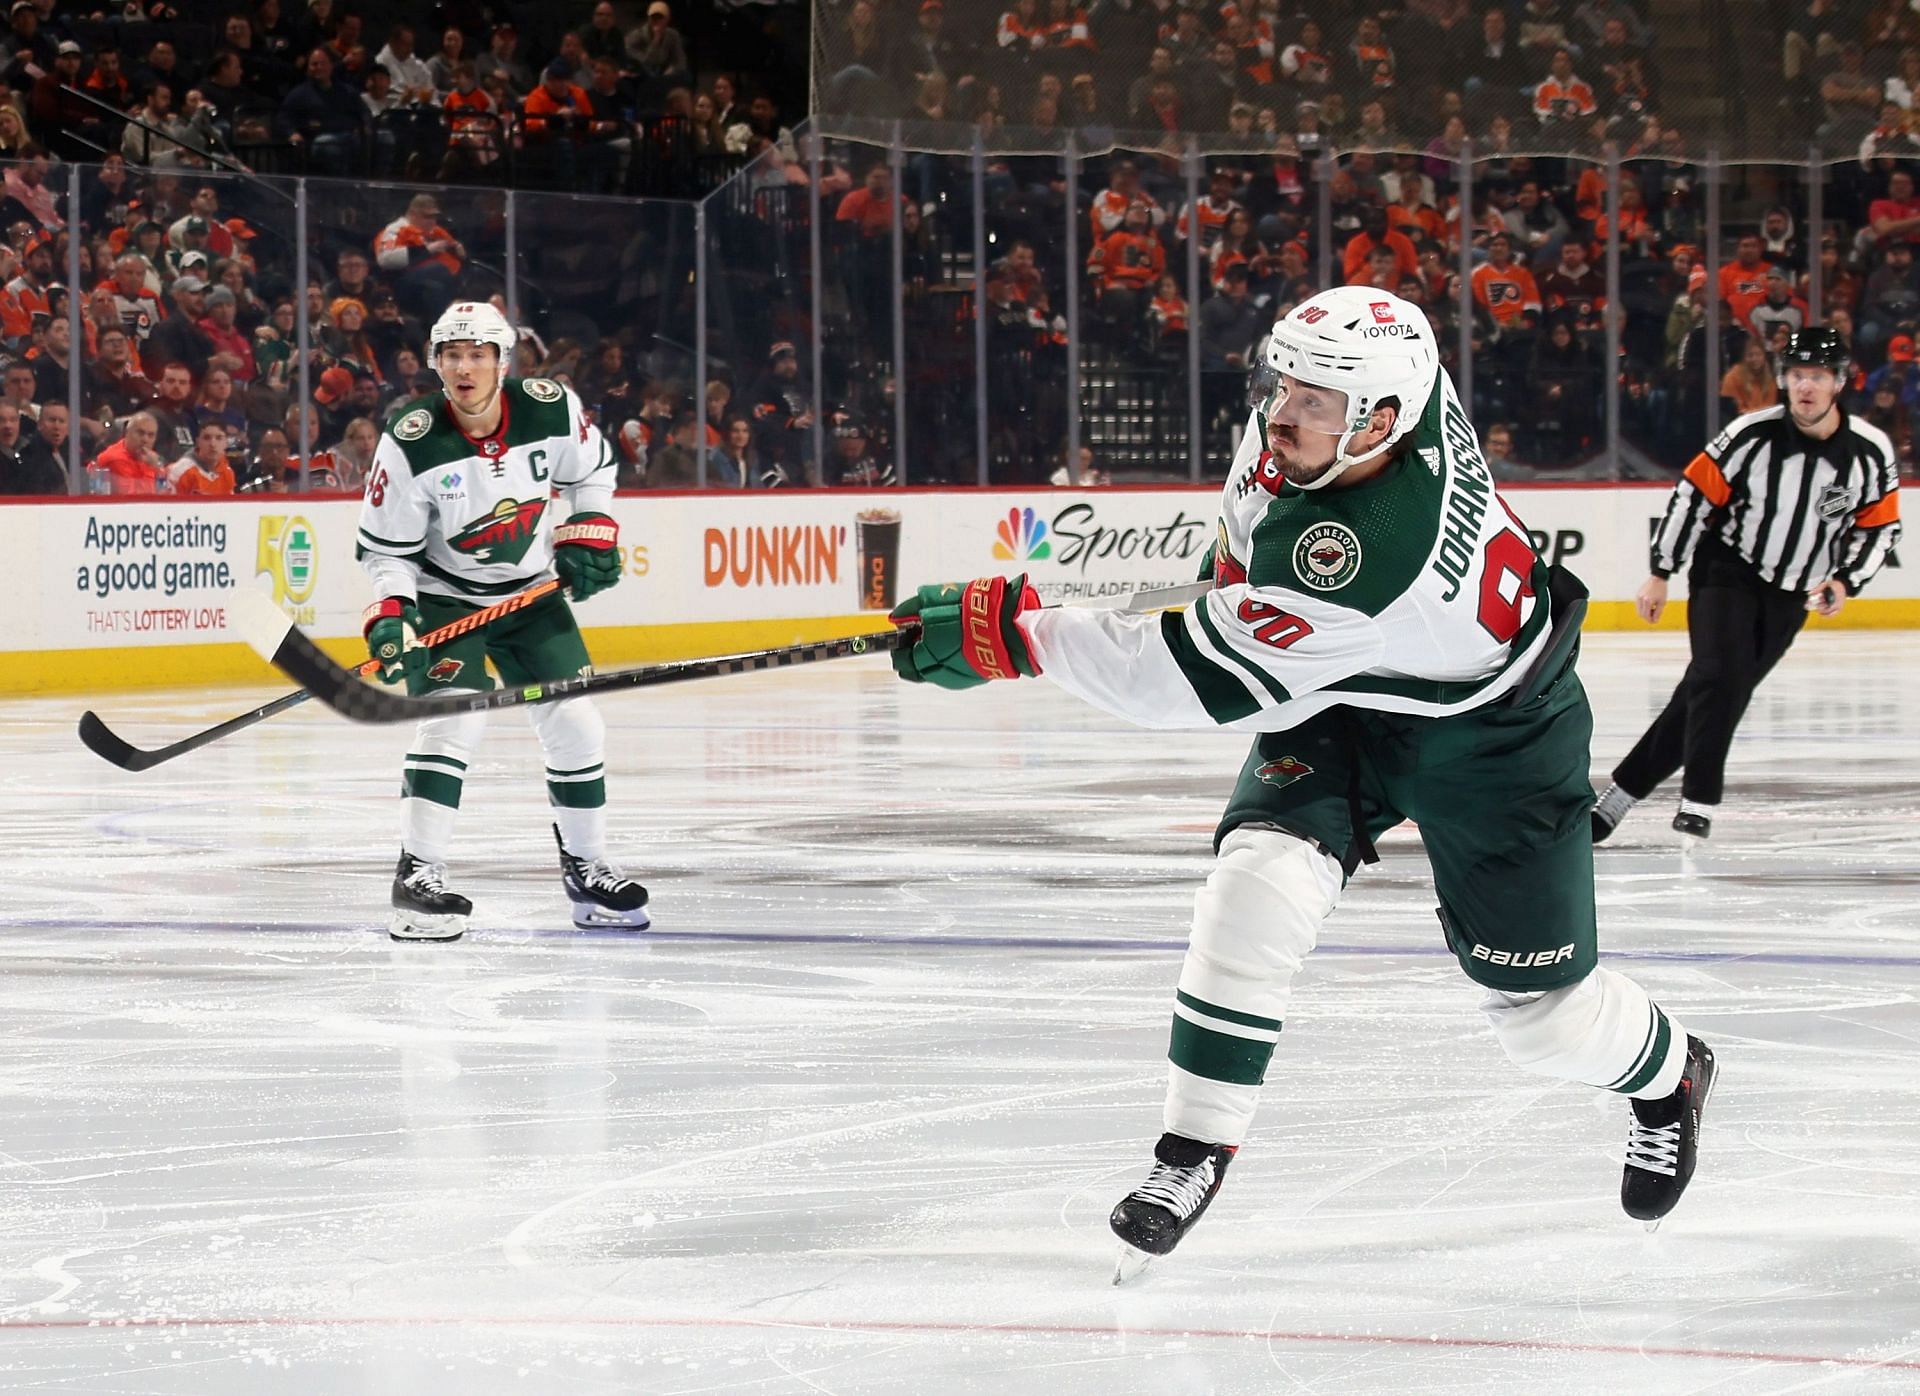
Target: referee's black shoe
<point x="1693" y="823"/>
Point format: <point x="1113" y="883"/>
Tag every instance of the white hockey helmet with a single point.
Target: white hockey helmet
<point x="1370" y="345"/>
<point x="474" y="320"/>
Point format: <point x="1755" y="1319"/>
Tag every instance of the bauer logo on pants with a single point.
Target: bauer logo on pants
<point x="1327" y="556"/>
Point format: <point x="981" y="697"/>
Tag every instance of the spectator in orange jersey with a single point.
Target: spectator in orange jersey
<point x="205" y="470"/>
<point x="131" y="463"/>
<point x="1374" y="231"/>
<point x="1505" y="288"/>
<point x="1743" y="281"/>
<point x="1167" y="315"/>
<point x="420" y="259"/>
<point x="1123" y="190"/>
<point x="870" y="207"/>
<point x="1750" y="384"/>
<point x="1414" y="216"/>
<point x="1124" y="268"/>
<point x="555" y="117"/>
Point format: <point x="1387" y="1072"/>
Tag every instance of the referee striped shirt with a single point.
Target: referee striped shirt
<point x="1799" y="510"/>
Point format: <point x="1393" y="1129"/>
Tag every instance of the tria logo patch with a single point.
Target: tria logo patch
<point x="1285" y="771"/>
<point x="504" y="535"/>
<point x="450" y="481"/>
<point x="1327" y="556"/>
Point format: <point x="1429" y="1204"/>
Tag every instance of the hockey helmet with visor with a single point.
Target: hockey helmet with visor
<point x="1338" y="357"/>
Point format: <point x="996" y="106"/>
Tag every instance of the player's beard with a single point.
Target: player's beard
<point x="1285" y="444"/>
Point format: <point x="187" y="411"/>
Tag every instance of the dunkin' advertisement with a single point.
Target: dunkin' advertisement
<point x="701" y="574"/>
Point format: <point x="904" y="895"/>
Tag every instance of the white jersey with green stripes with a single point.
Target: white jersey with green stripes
<point x="448" y="515"/>
<point x="1410" y="592"/>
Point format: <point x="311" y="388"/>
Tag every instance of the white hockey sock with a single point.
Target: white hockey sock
<point x="1254" y="921"/>
<point x="583" y="831"/>
<point x="431" y="780"/>
<point x="1603" y="1031"/>
<point x="426" y="829"/>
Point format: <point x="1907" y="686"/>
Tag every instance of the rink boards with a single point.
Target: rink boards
<point x="111" y="594"/>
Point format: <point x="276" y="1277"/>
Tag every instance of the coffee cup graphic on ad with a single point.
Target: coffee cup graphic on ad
<point x="878" y="534"/>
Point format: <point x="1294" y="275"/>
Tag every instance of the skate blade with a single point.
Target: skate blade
<point x="426" y="928"/>
<point x="587" y="916"/>
<point x="1130" y="1264"/>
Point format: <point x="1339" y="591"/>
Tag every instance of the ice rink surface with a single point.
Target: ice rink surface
<point x="851" y="1119"/>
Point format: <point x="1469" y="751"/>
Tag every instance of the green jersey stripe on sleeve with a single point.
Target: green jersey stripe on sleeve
<point x="1203" y="613"/>
<point x="1223" y="696"/>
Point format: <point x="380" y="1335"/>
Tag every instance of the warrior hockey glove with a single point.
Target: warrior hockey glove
<point x="586" y="554"/>
<point x="392" y="628"/>
<point x="968" y="634"/>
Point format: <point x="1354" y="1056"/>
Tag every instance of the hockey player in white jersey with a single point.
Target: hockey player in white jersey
<point x="1379" y="620"/>
<point x="460" y="511"/>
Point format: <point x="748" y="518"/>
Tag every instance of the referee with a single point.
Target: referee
<point x="1789" y="510"/>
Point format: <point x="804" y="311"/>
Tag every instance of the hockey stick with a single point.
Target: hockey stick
<point x="278" y="640"/>
<point x="104" y="742"/>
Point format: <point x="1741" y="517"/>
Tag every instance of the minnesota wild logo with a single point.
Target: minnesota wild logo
<point x="504" y="535"/>
<point x="1285" y="771"/>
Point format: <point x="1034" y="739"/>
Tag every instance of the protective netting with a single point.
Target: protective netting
<point x="1752" y="79"/>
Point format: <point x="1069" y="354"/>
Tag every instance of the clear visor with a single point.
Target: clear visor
<point x="1286" y="401"/>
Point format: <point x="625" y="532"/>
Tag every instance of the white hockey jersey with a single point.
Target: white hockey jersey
<point x="447" y="515"/>
<point x="1415" y="591"/>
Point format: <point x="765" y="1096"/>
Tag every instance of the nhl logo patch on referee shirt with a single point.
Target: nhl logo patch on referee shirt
<point x="1835" y="500"/>
<point x="1327" y="556"/>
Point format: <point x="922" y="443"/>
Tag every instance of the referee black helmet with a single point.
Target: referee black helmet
<point x="1817" y="346"/>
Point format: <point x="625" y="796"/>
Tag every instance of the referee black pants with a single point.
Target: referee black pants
<point x="1739" y="627"/>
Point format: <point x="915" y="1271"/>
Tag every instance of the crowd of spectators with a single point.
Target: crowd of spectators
<point x="600" y="96"/>
<point x="1546" y="90"/>
<point x="189" y="364"/>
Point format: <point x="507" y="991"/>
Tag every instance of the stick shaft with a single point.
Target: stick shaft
<point x="104" y="742"/>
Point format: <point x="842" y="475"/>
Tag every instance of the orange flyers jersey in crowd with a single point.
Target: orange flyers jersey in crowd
<point x="1128" y="259"/>
<point x="1069" y="33"/>
<point x="1742" y="288"/>
<point x="1014" y="32"/>
<point x="541" y="104"/>
<point x="1417" y="223"/>
<point x="1110" y="211"/>
<point x="1554" y="97"/>
<point x="400" y="235"/>
<point x="1507" y="293"/>
<point x="1212" y="220"/>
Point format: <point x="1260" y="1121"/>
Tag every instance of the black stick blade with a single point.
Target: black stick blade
<point x="101" y="740"/>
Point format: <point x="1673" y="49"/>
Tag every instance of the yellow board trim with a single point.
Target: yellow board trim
<point x="177" y="666"/>
<point x="1868" y="613"/>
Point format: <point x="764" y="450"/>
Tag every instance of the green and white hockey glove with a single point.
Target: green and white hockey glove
<point x="968" y="633"/>
<point x="392" y="628"/>
<point x="586" y="554"/>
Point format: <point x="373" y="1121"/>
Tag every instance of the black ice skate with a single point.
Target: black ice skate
<point x="1152" y="1218"/>
<point x="1695" y="821"/>
<point x="602" y="895"/>
<point x="1663" y="1139"/>
<point x="423" y="906"/>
